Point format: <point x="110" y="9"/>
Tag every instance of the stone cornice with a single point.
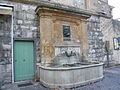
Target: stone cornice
<point x="63" y="10"/>
<point x="60" y="7"/>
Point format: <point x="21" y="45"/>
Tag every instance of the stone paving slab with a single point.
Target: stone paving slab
<point x="111" y="81"/>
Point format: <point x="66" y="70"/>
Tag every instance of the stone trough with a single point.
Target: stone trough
<point x="68" y="69"/>
<point x="70" y="76"/>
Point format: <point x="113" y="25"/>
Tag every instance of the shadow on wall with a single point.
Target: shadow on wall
<point x="116" y="26"/>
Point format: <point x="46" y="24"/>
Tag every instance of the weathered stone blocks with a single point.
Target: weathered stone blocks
<point x="25" y="25"/>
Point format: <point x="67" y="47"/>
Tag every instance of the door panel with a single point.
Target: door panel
<point x="23" y="60"/>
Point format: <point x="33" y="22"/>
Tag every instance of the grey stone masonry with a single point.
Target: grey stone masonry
<point x="5" y="47"/>
<point x="106" y="27"/>
<point x="25" y="26"/>
<point x="95" y="41"/>
<point x="101" y="7"/>
<point x="116" y="26"/>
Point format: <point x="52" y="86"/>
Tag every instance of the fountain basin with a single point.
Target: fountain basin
<point x="70" y="76"/>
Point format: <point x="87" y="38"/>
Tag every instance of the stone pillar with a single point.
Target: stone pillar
<point x="84" y="39"/>
<point x="46" y="32"/>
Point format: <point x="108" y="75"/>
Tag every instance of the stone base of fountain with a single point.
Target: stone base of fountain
<point x="70" y="76"/>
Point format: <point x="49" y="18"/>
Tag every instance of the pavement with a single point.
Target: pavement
<point x="111" y="81"/>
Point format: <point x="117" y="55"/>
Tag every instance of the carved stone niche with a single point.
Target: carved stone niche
<point x="52" y="20"/>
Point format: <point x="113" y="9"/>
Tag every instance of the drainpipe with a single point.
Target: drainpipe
<point x="12" y="45"/>
<point x="107" y="52"/>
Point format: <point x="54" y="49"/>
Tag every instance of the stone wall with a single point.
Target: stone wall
<point x="74" y="3"/>
<point x="71" y="3"/>
<point x="116" y="34"/>
<point x="116" y="27"/>
<point x="25" y="25"/>
<point x="99" y="29"/>
<point x="95" y="35"/>
<point x="107" y="30"/>
<point x="110" y="30"/>
<point x="100" y="6"/>
<point x="5" y="47"/>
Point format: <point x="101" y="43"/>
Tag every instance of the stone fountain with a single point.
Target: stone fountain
<point x="64" y="48"/>
<point x="68" y="70"/>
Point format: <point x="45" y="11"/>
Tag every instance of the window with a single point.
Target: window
<point x="66" y="33"/>
<point x="116" y="42"/>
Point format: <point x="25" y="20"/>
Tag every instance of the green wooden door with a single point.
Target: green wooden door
<point x="23" y="60"/>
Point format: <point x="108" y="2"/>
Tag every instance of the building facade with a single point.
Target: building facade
<point x="30" y="33"/>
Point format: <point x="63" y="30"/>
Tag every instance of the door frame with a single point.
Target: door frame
<point x="34" y="55"/>
<point x="12" y="21"/>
